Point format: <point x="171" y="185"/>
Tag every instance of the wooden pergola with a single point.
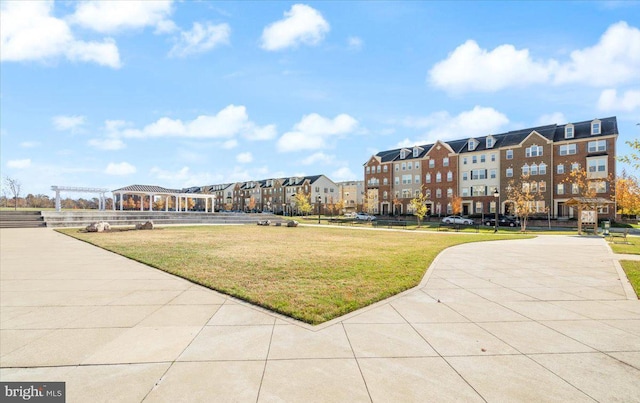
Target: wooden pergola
<point x="588" y="209"/>
<point x="151" y="192"/>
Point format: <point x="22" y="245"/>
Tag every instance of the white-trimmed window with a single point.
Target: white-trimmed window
<point x="478" y="174"/>
<point x="492" y="207"/>
<point x="598" y="186"/>
<point x="509" y="173"/>
<point x="595" y="127"/>
<point x="464" y="161"/>
<point x="449" y="192"/>
<point x="368" y="170"/>
<point x="432" y="163"/>
<point x="474" y="159"/>
<point x="385" y="168"/>
<point x="449" y="208"/>
<point x="397" y="180"/>
<point x="493" y="157"/>
<point x="478" y="207"/>
<point x="575" y="166"/>
<point x="449" y="176"/>
<point x="428" y="178"/>
<point x="492" y="173"/>
<point x="385" y="181"/>
<point x="397" y="167"/>
<point x="575" y="189"/>
<point x="534" y="169"/>
<point x="560" y="188"/>
<point x="479" y="190"/>
<point x="472" y="144"/>
<point x="385" y="195"/>
<point x="403" y="154"/>
<point x="378" y="169"/>
<point x="525" y="169"/>
<point x="409" y="165"/>
<point x="533" y="151"/>
<point x="542" y="168"/>
<point x="438" y="177"/>
<point x="568" y="131"/>
<point x="417" y="165"/>
<point x="597" y="165"/>
<point x="416" y="152"/>
<point x="406" y="179"/>
<point x="483" y="158"/>
<point x="445" y="162"/>
<point x="465" y="176"/>
<point x="542" y="186"/>
<point x="509" y="154"/>
<point x="490" y="142"/>
<point x="465" y="192"/>
<point x="568" y="149"/>
<point x="560" y="169"/>
<point x="416" y="179"/>
<point x="597" y="146"/>
<point x="438" y="193"/>
<point x="428" y="193"/>
<point x="404" y="166"/>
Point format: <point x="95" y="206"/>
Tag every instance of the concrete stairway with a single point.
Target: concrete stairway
<point x="21" y="219"/>
<point x="82" y="218"/>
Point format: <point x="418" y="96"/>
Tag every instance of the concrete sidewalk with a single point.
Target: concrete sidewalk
<point x="546" y="319"/>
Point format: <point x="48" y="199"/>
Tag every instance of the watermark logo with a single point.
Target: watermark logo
<point x="38" y="392"/>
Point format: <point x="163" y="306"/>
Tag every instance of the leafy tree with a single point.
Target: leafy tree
<point x="627" y="194"/>
<point x="252" y="203"/>
<point x="589" y="188"/>
<point x="524" y="195"/>
<point x="303" y="204"/>
<point x="632" y="159"/>
<point x="396" y="205"/>
<point x="419" y="206"/>
<point x="456" y="204"/>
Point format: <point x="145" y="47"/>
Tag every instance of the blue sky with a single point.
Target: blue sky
<point x="177" y="94"/>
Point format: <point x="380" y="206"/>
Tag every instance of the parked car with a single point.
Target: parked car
<point x="503" y="221"/>
<point x="365" y="217"/>
<point x="456" y="219"/>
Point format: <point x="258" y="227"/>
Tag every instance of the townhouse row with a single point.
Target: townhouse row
<point x="278" y="195"/>
<point x="479" y="170"/>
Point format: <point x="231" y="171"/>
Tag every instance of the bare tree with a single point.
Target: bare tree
<point x="14" y="187"/>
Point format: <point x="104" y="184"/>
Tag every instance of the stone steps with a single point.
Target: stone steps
<point x="21" y="219"/>
<point x="129" y="218"/>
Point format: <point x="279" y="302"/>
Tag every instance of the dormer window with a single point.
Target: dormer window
<point x="595" y="127"/>
<point x="416" y="151"/>
<point x="472" y="144"/>
<point x="490" y="142"/>
<point x="568" y="131"/>
<point x="403" y="153"/>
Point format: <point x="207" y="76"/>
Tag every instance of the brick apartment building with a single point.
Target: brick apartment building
<point x="474" y="169"/>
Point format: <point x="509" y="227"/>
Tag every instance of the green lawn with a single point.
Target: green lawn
<point x="308" y="273"/>
<point x="631" y="247"/>
<point x="632" y="268"/>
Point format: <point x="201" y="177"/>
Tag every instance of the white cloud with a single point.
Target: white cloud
<point x="313" y="131"/>
<point x="613" y="60"/>
<point x="627" y="102"/>
<point x="184" y="177"/>
<point x="244" y="158"/>
<point x="201" y="39"/>
<point x="302" y="25"/>
<point x="107" y="144"/>
<point x="470" y="68"/>
<point x="19" y="164"/>
<point x="319" y="157"/>
<point x="227" y="123"/>
<point x="30" y="144"/>
<point x="343" y="174"/>
<point x="355" y="43"/>
<point x="28" y="32"/>
<point x="480" y="121"/>
<point x="63" y="123"/>
<point x="114" y="16"/>
<point x="229" y="144"/>
<point x="122" y="168"/>
<point x="257" y="133"/>
<point x="552" y="118"/>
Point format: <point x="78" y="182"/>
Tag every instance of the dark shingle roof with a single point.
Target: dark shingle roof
<point x="147" y="188"/>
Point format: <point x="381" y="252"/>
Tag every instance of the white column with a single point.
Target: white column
<point x="166" y="204"/>
<point x="150" y="202"/>
<point x="121" y="197"/>
<point x="57" y="200"/>
<point x="206" y="204"/>
<point x="141" y="202"/>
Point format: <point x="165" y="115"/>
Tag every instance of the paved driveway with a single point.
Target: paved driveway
<point x="546" y="319"/>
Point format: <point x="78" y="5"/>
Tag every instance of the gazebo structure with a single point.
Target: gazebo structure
<point x="151" y="192"/>
<point x="588" y="210"/>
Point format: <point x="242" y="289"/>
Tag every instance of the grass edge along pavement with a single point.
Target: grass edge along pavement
<point x="308" y="273"/>
<point x="632" y="270"/>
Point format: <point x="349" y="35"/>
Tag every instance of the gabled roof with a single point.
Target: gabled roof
<point x="147" y="189"/>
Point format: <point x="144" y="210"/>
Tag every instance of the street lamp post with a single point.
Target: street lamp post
<point x="319" y="205"/>
<point x="496" y="195"/>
